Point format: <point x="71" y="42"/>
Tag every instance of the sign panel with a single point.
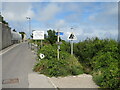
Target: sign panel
<point x="60" y="33"/>
<point x="38" y="35"/>
<point x="72" y="37"/>
<point x="59" y="43"/>
<point x="42" y="55"/>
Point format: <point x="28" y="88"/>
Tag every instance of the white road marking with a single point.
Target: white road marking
<point x="52" y="83"/>
<point x="3" y="52"/>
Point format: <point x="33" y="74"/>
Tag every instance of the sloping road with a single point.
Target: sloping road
<point x="17" y="63"/>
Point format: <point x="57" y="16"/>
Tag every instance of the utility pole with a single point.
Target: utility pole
<point x="29" y="21"/>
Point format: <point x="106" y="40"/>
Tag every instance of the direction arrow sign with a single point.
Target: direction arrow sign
<point x="60" y="33"/>
<point x="38" y="35"/>
<point x="42" y="55"/>
<point x="72" y="37"/>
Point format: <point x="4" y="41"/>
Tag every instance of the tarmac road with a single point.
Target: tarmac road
<point x="17" y="63"/>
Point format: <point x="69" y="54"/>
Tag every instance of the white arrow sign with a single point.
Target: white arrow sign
<point x="72" y="36"/>
<point x="42" y="55"/>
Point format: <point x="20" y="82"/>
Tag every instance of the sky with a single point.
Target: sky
<point x="88" y="19"/>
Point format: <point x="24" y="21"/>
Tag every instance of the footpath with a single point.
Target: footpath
<point x="42" y="81"/>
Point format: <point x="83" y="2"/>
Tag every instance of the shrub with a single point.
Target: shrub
<point x="108" y="65"/>
<point x="102" y="57"/>
<point x="87" y="49"/>
<point x="50" y="66"/>
<point x="65" y="46"/>
<point x="49" y="51"/>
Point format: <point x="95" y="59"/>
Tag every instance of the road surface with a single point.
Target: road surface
<point x="17" y="63"/>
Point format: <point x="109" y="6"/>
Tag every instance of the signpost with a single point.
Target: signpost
<point x="72" y="37"/>
<point x="38" y="35"/>
<point x="58" y="42"/>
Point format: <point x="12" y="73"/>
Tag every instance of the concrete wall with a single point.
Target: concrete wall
<point x="0" y="36"/>
<point x="6" y="36"/>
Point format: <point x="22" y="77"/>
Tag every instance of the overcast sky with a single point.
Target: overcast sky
<point x="88" y="19"/>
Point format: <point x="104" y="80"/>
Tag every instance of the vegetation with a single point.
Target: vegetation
<point x="52" y="38"/>
<point x="2" y="20"/>
<point x="51" y="66"/>
<point x="99" y="58"/>
<point x="22" y="33"/>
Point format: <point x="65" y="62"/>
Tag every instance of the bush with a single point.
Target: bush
<point x="49" y="51"/>
<point x="87" y="49"/>
<point x="101" y="57"/>
<point x="108" y="65"/>
<point x="50" y="66"/>
<point x="65" y="46"/>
